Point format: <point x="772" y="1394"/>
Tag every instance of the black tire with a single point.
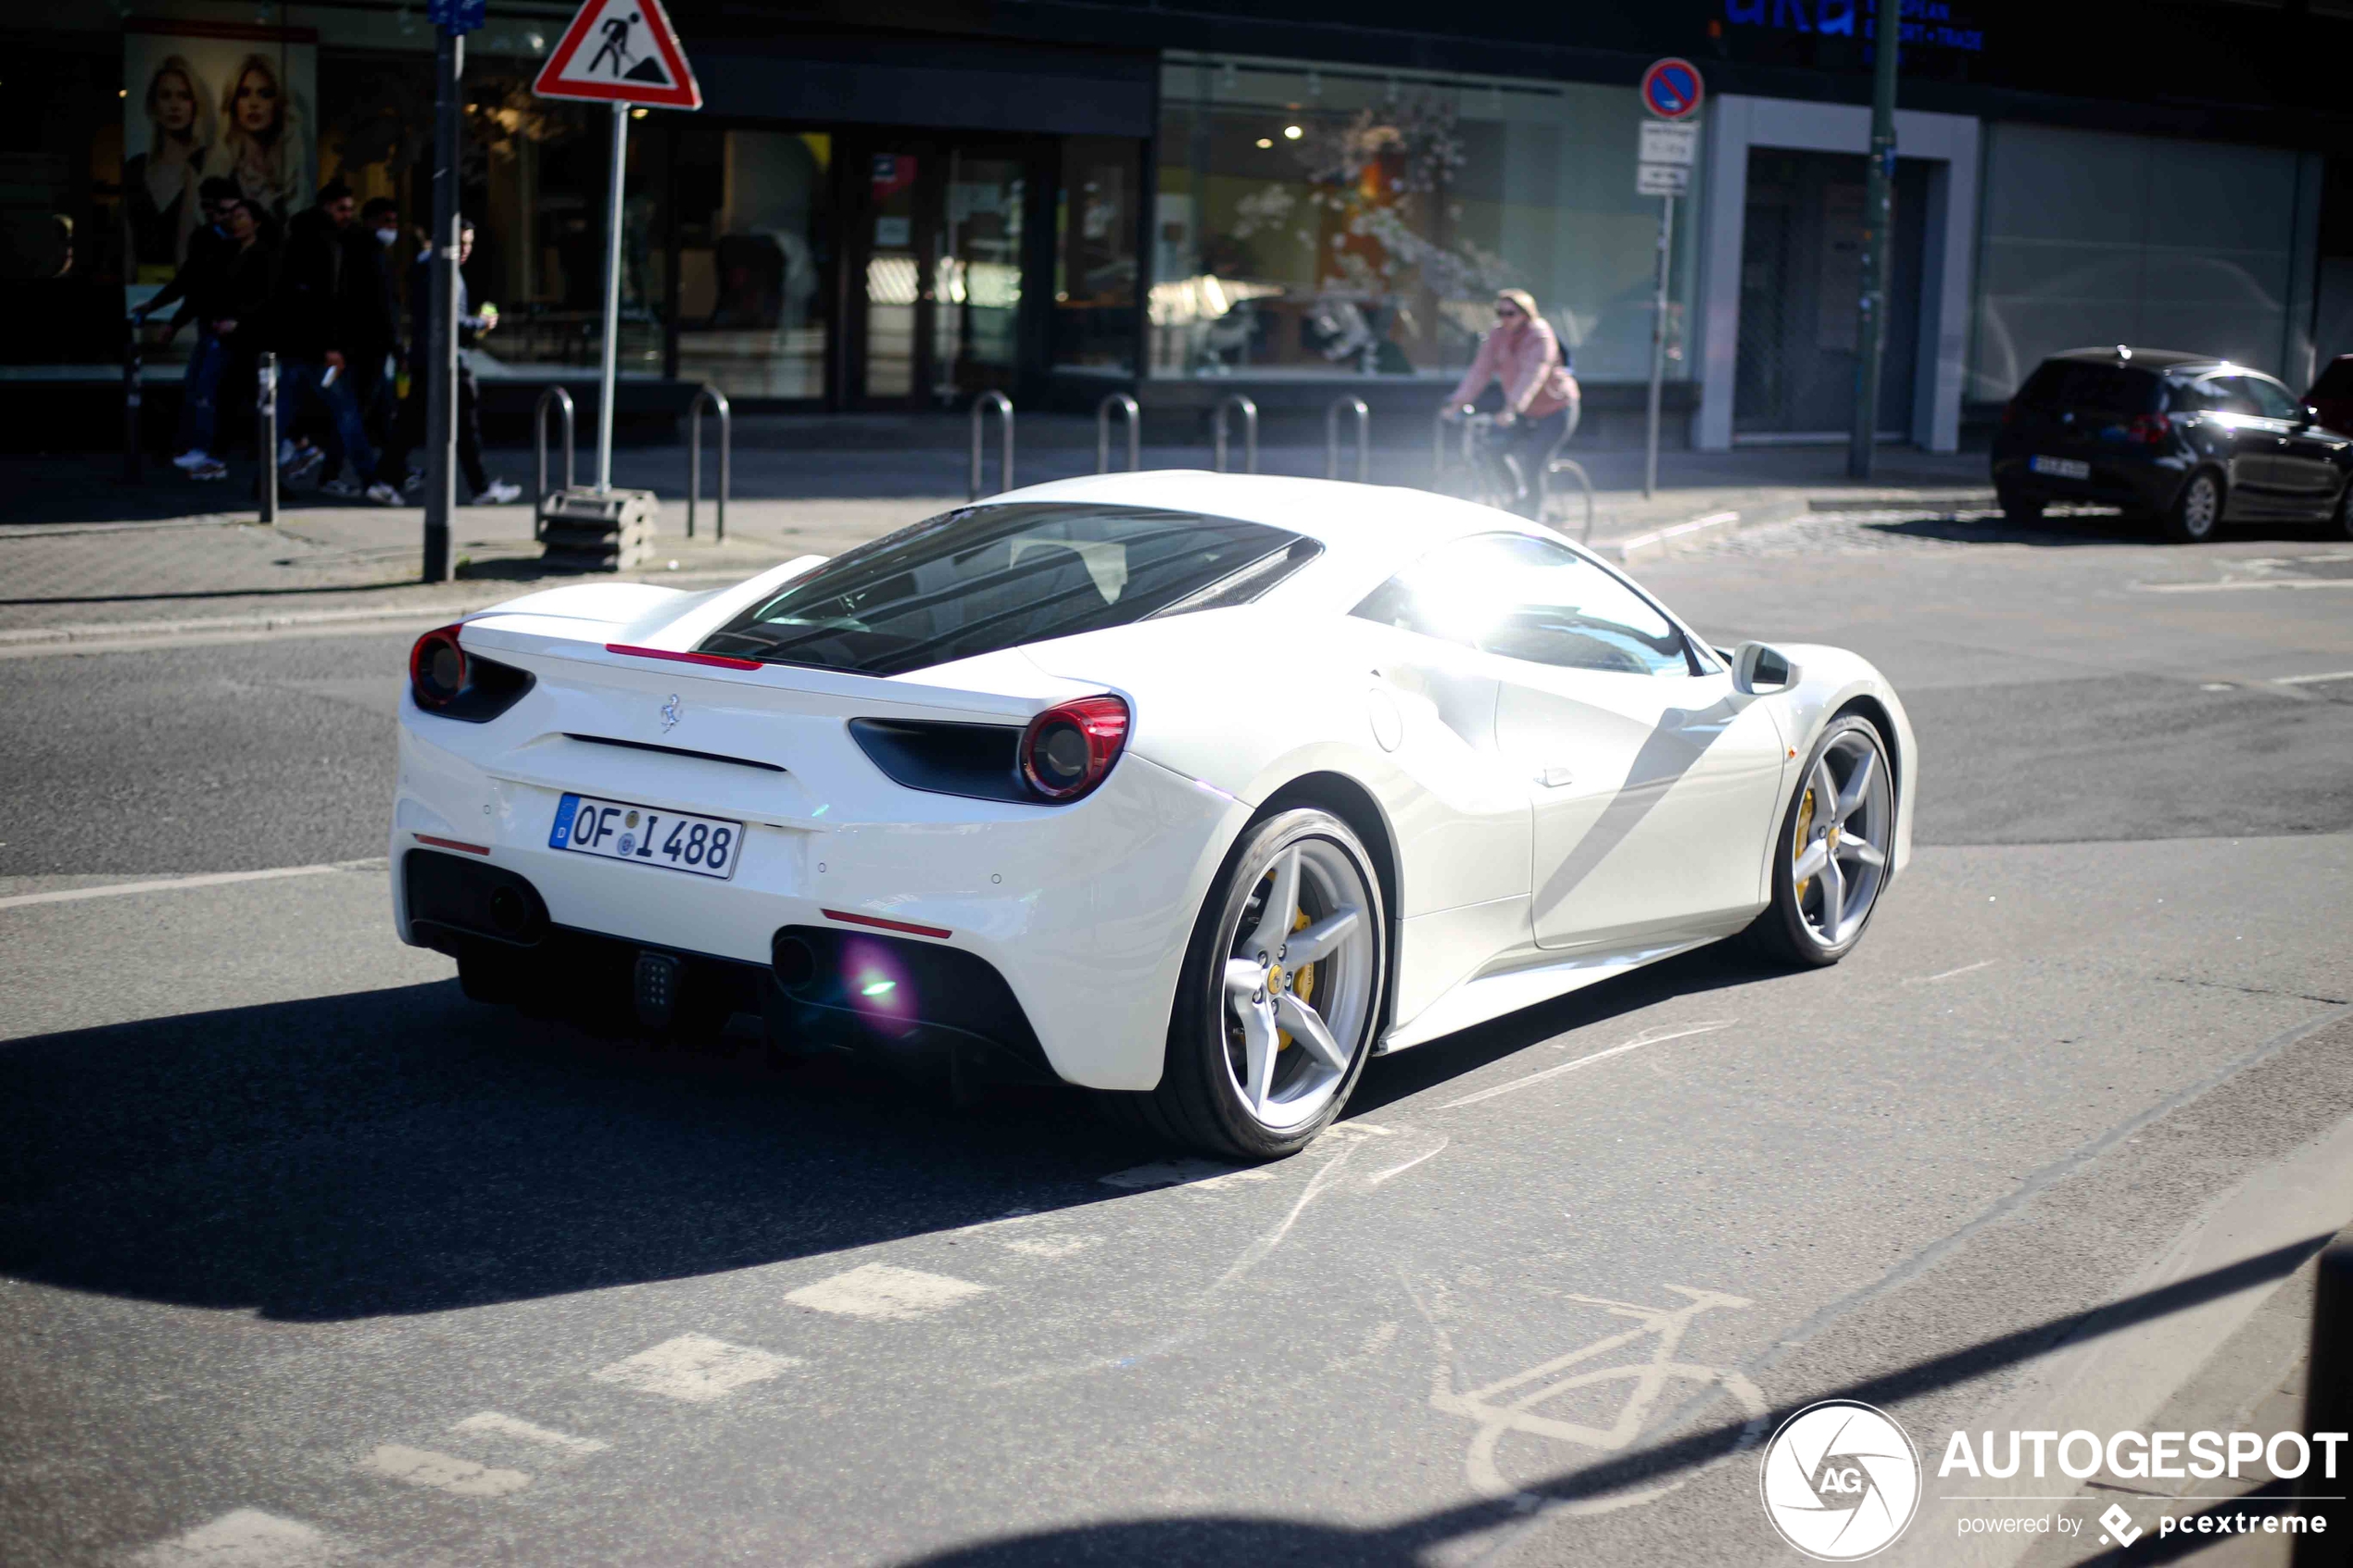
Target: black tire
<point x="2340" y="523"/>
<point x="2195" y="515"/>
<point x="1197" y="1104"/>
<point x="1782" y="933"/>
<point x="2019" y="510"/>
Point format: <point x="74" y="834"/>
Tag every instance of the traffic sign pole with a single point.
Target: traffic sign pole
<point x="1671" y="91"/>
<point x="439" y="330"/>
<point x="612" y="299"/>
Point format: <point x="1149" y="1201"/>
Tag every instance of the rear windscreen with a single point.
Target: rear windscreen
<point x="985" y="578"/>
<point x="2111" y="389"/>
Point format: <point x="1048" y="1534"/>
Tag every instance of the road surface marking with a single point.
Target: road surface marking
<point x="491" y="1423"/>
<point x="2240" y="583"/>
<point x="446" y="1473"/>
<point x="696" y="1368"/>
<point x="172" y="883"/>
<point x="2312" y="679"/>
<point x="884" y="1293"/>
<point x="1201" y="1175"/>
<point x="1637" y="1041"/>
<point x="1965" y="969"/>
<point x="1050" y="1246"/>
<point x="246" y="1539"/>
<point x="1401" y="1170"/>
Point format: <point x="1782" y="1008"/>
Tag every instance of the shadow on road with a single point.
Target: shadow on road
<point x="408" y="1151"/>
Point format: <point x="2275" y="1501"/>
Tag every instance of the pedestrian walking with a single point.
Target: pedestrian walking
<point x="237" y="325"/>
<point x="311" y="325"/>
<point x="371" y="313"/>
<point x="392" y="469"/>
<point x="1524" y="355"/>
<point x="195" y="288"/>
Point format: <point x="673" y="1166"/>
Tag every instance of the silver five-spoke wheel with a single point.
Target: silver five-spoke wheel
<point x="1835" y="852"/>
<point x="1298" y="982"/>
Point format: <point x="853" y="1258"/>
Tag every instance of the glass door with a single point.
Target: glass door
<point x="937" y="231"/>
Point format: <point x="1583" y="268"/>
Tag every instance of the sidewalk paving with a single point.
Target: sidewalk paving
<point x="85" y="557"/>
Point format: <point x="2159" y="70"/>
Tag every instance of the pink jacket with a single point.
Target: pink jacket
<point x="1536" y="382"/>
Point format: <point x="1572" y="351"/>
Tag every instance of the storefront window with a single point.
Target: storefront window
<point x="1319" y="221"/>
<point x="1094" y="256"/>
<point x="754" y="224"/>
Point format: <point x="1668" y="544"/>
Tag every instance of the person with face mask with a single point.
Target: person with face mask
<point x="409" y="429"/>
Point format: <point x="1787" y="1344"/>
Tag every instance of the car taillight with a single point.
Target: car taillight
<point x="449" y="683"/>
<point x="2009" y="413"/>
<point x="2148" y="429"/>
<point x="437" y="668"/>
<point x="1066" y="750"/>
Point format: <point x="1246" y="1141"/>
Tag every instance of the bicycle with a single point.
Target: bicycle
<point x="1478" y="474"/>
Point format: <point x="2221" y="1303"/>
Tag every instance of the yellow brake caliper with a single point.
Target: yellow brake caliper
<point x="1302" y="983"/>
<point x="1805" y="827"/>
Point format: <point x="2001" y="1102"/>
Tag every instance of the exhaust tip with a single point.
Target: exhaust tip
<point x="509" y="910"/>
<point x="794" y="961"/>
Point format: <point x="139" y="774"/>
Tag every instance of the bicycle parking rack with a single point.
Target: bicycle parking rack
<point x="1250" y="431"/>
<point x="265" y="424"/>
<point x="1363" y="437"/>
<point x="540" y="492"/>
<point x="1004" y="407"/>
<point x="718" y="400"/>
<point x="1129" y="412"/>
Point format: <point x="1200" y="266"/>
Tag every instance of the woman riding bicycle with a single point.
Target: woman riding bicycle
<point x="1525" y="355"/>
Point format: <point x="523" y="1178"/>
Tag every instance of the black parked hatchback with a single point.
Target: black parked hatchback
<point x="2187" y="439"/>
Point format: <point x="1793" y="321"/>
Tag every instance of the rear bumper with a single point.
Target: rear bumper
<point x="1081" y="914"/>
<point x="2140" y="483"/>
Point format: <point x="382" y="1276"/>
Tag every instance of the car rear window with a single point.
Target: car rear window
<point x="2070" y="383"/>
<point x="984" y="578"/>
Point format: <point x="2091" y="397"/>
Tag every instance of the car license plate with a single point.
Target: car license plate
<point x="2061" y="467"/>
<point x="673" y="840"/>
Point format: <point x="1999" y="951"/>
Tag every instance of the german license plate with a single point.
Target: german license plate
<point x="2061" y="468"/>
<point x="672" y="840"/>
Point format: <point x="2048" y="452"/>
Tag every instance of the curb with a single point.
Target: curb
<point x="1661" y="540"/>
<point x="66" y="636"/>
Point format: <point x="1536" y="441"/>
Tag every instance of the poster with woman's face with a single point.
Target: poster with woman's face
<point x="204" y="102"/>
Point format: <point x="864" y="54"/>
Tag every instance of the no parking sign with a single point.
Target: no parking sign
<point x="1671" y="89"/>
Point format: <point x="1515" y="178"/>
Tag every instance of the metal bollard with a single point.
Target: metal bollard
<point x="1250" y="431"/>
<point x="560" y="399"/>
<point x="265" y="438"/>
<point x="1363" y="437"/>
<point x="133" y="368"/>
<point x="1126" y="407"/>
<point x="718" y="400"/>
<point x="1004" y="407"/>
<point x="2328" y="1394"/>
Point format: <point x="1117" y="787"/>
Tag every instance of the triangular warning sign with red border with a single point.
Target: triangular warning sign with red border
<point x="621" y="51"/>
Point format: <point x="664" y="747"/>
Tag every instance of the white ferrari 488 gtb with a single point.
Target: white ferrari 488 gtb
<point x="1195" y="789"/>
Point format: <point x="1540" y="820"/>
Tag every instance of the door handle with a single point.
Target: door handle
<point x="1555" y="778"/>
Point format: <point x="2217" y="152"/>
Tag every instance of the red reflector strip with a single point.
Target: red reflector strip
<point x="452" y="843"/>
<point x="716" y="660"/>
<point x="907" y="926"/>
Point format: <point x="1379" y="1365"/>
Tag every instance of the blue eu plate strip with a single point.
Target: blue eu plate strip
<point x="564" y="809"/>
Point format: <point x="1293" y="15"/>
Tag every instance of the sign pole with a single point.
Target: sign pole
<point x="439" y="330"/>
<point x="1658" y="342"/>
<point x="1878" y="192"/>
<point x="612" y="299"/>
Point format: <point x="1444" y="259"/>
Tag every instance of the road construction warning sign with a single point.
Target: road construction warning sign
<point x="621" y="51"/>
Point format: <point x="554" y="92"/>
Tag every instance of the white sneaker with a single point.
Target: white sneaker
<point x="209" y="469"/>
<point x="341" y="487"/>
<point x="193" y="458"/>
<point x="287" y="452"/>
<point x="500" y="494"/>
<point x="384" y="495"/>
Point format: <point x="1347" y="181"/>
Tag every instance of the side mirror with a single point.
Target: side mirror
<point x="1759" y="668"/>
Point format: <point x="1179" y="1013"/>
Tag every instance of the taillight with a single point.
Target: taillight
<point x="2148" y="429"/>
<point x="448" y="681"/>
<point x="2009" y="413"/>
<point x="437" y="668"/>
<point x="1066" y="750"/>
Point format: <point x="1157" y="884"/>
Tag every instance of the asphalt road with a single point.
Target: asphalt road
<point x="302" y="1254"/>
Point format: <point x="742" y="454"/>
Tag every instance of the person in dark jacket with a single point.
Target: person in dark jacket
<point x="311" y="323"/>
<point x="391" y="472"/>
<point x="372" y="311"/>
<point x="232" y="315"/>
<point x="195" y="288"/>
